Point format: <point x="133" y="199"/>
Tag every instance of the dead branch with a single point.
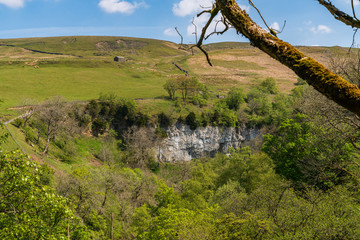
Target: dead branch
<point x="223" y="20"/>
<point x="272" y="31"/>
<point x="182" y="39"/>
<point x="340" y="15"/>
<point x="213" y="14"/>
<point x="195" y="30"/>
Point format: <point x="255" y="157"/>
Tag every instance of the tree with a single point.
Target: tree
<point x="28" y="208"/>
<point x="305" y="152"/>
<point x="235" y="98"/>
<point x="54" y="115"/>
<point x="171" y="86"/>
<point x="188" y="85"/>
<point x="323" y="80"/>
<point x="140" y="144"/>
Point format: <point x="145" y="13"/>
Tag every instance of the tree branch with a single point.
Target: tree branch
<point x="340" y="15"/>
<point x="213" y="13"/>
<point x="329" y="84"/>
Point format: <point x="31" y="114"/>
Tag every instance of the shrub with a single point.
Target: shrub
<point x="269" y="86"/>
<point x="99" y="126"/>
<point x="235" y="98"/>
<point x="164" y="120"/>
<point x="191" y="121"/>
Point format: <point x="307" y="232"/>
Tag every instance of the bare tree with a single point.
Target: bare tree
<point x="53" y="114"/>
<point x="27" y="109"/>
<point x="140" y="145"/>
<point x="347" y="66"/>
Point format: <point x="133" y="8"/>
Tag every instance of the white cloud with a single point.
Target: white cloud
<point x="320" y="29"/>
<point x="356" y="3"/>
<point x="190" y="7"/>
<point x="275" y="26"/>
<point x="13" y="3"/>
<point x="200" y="23"/>
<point x="246" y="8"/>
<point x="118" y="6"/>
<point x="170" y="32"/>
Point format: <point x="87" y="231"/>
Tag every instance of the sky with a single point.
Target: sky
<point x="307" y="22"/>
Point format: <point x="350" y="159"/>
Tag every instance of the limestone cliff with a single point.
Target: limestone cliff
<point x="184" y="144"/>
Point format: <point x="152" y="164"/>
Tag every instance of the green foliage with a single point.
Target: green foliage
<point x="307" y="153"/>
<point x="191" y="121"/>
<point x="99" y="126"/>
<point x="115" y="112"/>
<point x="258" y="102"/>
<point x="244" y="227"/>
<point x="164" y="120"/>
<point x="222" y="116"/>
<point x="181" y="223"/>
<point x="171" y="86"/>
<point x="93" y="108"/>
<point x="269" y="86"/>
<point x="29" y="209"/>
<point x="235" y="98"/>
<point x="199" y="100"/>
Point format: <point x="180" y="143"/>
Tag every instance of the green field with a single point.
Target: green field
<point x="86" y="68"/>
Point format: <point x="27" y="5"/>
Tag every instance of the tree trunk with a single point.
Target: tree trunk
<point x="329" y="84"/>
<point x="47" y="145"/>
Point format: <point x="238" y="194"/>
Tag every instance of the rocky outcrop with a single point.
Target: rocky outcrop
<point x="184" y="144"/>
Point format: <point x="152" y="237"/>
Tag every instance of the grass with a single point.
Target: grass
<point x="76" y="83"/>
<point x="237" y="64"/>
<point x="26" y="74"/>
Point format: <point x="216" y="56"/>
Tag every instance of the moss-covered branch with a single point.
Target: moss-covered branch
<point x="331" y="85"/>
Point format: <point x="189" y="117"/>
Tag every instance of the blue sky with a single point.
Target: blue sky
<point x="307" y="23"/>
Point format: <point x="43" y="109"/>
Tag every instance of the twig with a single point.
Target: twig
<point x="195" y="30"/>
<point x="270" y="29"/>
<point x="180" y="36"/>
<point x="213" y="13"/>
<point x="222" y="32"/>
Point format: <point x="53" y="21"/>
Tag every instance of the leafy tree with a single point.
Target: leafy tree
<point x="269" y="86"/>
<point x="258" y="103"/>
<point x="221" y="115"/>
<point x="28" y="208"/>
<point x="171" y="86"/>
<point x="307" y="153"/>
<point x="235" y="98"/>
<point x="93" y="109"/>
<point x="188" y="85"/>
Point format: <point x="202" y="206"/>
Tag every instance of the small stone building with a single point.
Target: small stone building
<point x="119" y="59"/>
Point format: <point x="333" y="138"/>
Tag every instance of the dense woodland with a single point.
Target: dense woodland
<point x="300" y="180"/>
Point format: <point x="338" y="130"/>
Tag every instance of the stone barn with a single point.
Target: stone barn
<point x="119" y="59"/>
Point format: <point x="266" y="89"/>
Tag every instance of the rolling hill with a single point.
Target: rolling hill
<point x="80" y="68"/>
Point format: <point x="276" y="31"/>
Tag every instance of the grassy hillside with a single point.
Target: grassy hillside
<point x="83" y="67"/>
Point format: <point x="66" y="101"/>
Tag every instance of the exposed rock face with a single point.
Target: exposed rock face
<point x="184" y="144"/>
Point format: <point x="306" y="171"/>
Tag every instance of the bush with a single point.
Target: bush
<point x="191" y="121"/>
<point x="199" y="101"/>
<point x="99" y="126"/>
<point x="164" y="120"/>
<point x="269" y="86"/>
<point x="235" y="98"/>
<point x="19" y="122"/>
